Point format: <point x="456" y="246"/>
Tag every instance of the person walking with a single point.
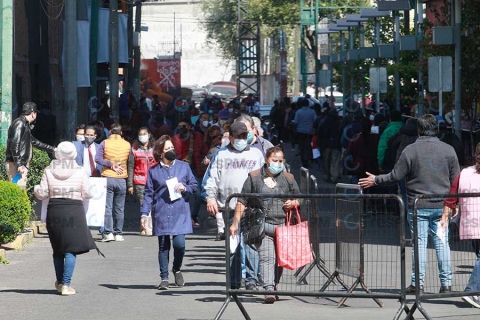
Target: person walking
<point x="226" y="173"/>
<point x="468" y="181"/>
<point x="430" y="167"/>
<point x="170" y="184"/>
<point x="19" y="145"/>
<point x="65" y="184"/>
<point x="331" y="133"/>
<point x="113" y="156"/>
<point x="271" y="178"/>
<point x="303" y="122"/>
<point x="140" y="160"/>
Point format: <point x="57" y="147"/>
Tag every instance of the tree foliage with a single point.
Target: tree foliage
<point x="220" y="20"/>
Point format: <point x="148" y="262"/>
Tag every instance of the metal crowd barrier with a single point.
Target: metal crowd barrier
<point x="360" y="246"/>
<point x="458" y="254"/>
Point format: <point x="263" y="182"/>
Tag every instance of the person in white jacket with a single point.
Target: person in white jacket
<point x="66" y="185"/>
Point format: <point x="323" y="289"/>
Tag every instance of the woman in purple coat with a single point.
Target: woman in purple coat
<point x="169" y="185"/>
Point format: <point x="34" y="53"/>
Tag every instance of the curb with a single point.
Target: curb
<point x="3" y="254"/>
<point x="32" y="230"/>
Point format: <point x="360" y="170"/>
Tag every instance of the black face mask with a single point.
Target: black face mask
<point x="170" y="155"/>
<point x="183" y="130"/>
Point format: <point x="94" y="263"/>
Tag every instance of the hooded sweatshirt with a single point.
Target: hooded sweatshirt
<point x="64" y="179"/>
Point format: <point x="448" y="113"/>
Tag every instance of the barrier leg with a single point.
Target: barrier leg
<point x="223" y="307"/>
<point x="241" y="307"/>
<point x="298" y="272"/>
<point x="354" y="285"/>
<point x="364" y="287"/>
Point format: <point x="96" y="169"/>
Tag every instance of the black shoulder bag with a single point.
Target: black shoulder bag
<point x="253" y="222"/>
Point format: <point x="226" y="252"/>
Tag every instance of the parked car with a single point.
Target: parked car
<point x="223" y="89"/>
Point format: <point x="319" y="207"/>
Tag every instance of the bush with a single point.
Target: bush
<point x="15" y="212"/>
<point x="40" y="161"/>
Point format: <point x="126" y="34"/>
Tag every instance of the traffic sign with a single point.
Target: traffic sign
<point x="440" y="74"/>
<point x="378" y="80"/>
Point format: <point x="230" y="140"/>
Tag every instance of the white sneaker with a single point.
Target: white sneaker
<point x="473" y="300"/>
<point x="68" y="291"/>
<point x="108" y="237"/>
<point x="119" y="237"/>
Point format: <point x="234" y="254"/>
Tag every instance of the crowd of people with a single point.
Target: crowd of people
<point x="174" y="165"/>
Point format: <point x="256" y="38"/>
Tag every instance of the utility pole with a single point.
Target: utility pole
<point x="6" y="68"/>
<point x="136" y="50"/>
<point x="70" y="80"/>
<point x="113" y="78"/>
<point x="458" y="66"/>
<point x="93" y="49"/>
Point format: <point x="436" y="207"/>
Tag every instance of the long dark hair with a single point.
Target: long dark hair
<point x="136" y="143"/>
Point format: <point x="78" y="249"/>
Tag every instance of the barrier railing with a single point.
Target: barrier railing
<point x="452" y="251"/>
<point x="379" y="269"/>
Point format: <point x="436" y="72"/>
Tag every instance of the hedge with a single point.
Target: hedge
<point x="15" y="211"/>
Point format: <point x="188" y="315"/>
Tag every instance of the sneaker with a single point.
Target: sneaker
<point x="58" y="286"/>
<point x="67" y="291"/>
<point x="119" y="237"/>
<point x="444" y="289"/>
<point x="251" y="286"/>
<point x="473" y="300"/>
<point x="269" y="298"/>
<point x="108" y="237"/>
<point x="178" y="278"/>
<point x="195" y="224"/>
<point x="143" y="232"/>
<point x="163" y="285"/>
<point x="412" y="289"/>
<point x="220" y="236"/>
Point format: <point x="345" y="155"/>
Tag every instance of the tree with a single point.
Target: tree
<point x="220" y="20"/>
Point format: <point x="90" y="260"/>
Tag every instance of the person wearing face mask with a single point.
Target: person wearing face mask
<point x="226" y="173"/>
<point x="140" y="161"/>
<point x="191" y="148"/>
<point x="223" y="117"/>
<point x="170" y="211"/>
<point x="202" y="123"/>
<point x="20" y="142"/>
<point x="271" y="178"/>
<point x="80" y="133"/>
<point x="252" y="139"/>
<point x="86" y="152"/>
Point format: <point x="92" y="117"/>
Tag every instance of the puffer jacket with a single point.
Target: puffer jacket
<point x="20" y="142"/>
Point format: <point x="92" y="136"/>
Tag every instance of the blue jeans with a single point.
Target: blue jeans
<point x="64" y="265"/>
<point x="195" y="200"/>
<point x="164" y="245"/>
<point x="474" y="281"/>
<point x="427" y="220"/>
<point x="115" y="205"/>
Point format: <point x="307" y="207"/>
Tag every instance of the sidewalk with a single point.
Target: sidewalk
<point x="122" y="285"/>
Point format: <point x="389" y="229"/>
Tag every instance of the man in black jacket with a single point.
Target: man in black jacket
<point x="19" y="144"/>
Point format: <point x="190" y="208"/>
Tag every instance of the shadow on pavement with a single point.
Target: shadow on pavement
<point x="28" y="291"/>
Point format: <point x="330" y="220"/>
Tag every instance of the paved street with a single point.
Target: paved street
<point x="122" y="285"/>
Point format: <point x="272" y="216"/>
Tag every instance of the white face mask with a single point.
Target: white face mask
<point x="205" y="123"/>
<point x="143" y="138"/>
<point x="80" y="137"/>
<point x="222" y="122"/>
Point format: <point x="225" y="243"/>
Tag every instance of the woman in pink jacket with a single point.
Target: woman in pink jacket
<point x="66" y="185"/>
<point x="468" y="181"/>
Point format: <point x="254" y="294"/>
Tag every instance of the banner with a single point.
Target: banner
<point x="161" y="76"/>
<point x="103" y="49"/>
<point x="94" y="208"/>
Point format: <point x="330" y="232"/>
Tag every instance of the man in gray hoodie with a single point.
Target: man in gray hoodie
<point x="429" y="167"/>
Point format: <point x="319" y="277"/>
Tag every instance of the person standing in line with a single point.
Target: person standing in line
<point x="429" y="167"/>
<point x="303" y="122"/>
<point x="271" y="178"/>
<point x="226" y="173"/>
<point x="19" y="144"/>
<point x="140" y="161"/>
<point x="169" y="207"/>
<point x="66" y="184"/>
<point x="191" y="148"/>
<point x="468" y="181"/>
<point x="113" y="156"/>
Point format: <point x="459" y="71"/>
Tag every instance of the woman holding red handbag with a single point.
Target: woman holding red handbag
<point x="271" y="178"/>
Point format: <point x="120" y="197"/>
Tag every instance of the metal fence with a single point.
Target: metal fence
<point x="351" y="245"/>
<point x="445" y="258"/>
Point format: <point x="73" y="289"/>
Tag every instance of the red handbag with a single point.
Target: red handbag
<point x="292" y="243"/>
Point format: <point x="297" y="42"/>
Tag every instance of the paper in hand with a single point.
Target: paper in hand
<point x="171" y="184"/>
<point x="442" y="234"/>
<point x="234" y="242"/>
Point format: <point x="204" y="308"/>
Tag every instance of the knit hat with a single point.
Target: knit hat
<point x="223" y="114"/>
<point x="66" y="151"/>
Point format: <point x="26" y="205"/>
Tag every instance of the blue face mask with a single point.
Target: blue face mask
<point x="210" y="111"/>
<point x="276" y="168"/>
<point x="249" y="138"/>
<point x="240" y="144"/>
